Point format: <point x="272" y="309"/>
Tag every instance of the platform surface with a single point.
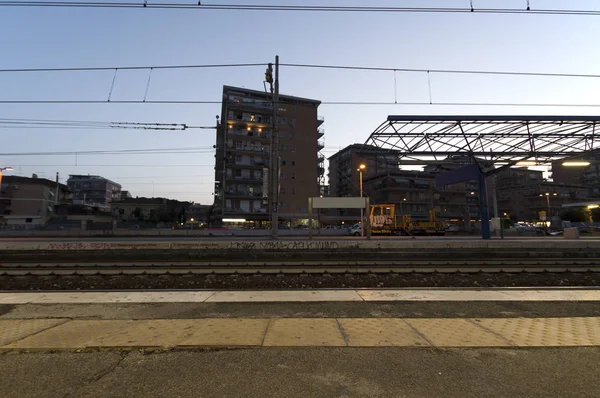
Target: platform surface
<point x="359" y="295"/>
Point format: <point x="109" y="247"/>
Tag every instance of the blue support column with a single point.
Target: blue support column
<point x="483" y="208"/>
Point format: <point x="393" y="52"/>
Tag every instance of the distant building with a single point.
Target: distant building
<point x="518" y="191"/>
<point x="243" y="155"/>
<point x="125" y="195"/>
<point x="343" y="167"/>
<point x="30" y="201"/>
<point x="588" y="176"/>
<point x="154" y="210"/>
<point x="411" y="191"/>
<point x="94" y="191"/>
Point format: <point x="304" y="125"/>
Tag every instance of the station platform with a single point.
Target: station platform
<point x="180" y="320"/>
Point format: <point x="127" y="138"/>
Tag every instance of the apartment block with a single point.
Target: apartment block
<point x="243" y="147"/>
<point x="343" y="167"/>
<point x="30" y="201"/>
<point x="94" y="191"/>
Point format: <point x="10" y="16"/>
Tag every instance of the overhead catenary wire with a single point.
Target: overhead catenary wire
<point x="340" y="103"/>
<point x="311" y="66"/>
<point x="145" y="5"/>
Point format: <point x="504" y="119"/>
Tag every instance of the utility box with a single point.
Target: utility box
<point x="571" y="233"/>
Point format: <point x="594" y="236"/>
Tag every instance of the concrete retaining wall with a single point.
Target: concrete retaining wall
<point x="302" y="245"/>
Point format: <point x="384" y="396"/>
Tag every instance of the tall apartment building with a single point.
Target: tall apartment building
<point x="94" y="191"/>
<point x="243" y="155"/>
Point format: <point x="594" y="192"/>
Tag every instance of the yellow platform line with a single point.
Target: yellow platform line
<point x="61" y="334"/>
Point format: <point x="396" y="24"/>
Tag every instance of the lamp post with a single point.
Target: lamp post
<point x="547" y="195"/>
<point x="360" y="169"/>
<point x="401" y="206"/>
<point x="4" y="169"/>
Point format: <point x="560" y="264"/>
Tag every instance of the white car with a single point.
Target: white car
<point x="355" y="230"/>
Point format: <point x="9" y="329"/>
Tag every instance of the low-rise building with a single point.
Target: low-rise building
<point x="30" y="201"/>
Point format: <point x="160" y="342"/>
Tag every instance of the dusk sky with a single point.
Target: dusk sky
<point x="79" y="37"/>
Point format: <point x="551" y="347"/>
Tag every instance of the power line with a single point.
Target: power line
<point x="296" y="8"/>
<point x="314" y="66"/>
<point x="104" y="68"/>
<point x="445" y="71"/>
<point x="76" y="124"/>
<point x="113" y="165"/>
<point x="339" y="103"/>
<point x="114" y="152"/>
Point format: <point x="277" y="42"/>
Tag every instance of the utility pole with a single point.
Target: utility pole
<point x="57" y="191"/>
<point x="274" y="155"/>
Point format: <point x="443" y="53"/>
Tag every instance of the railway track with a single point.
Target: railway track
<point x="509" y="265"/>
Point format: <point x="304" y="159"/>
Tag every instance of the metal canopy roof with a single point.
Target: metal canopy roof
<point x="501" y="139"/>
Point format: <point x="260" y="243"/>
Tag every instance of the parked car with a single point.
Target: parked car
<point x="355" y="230"/>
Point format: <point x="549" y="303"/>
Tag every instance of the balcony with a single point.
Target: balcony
<point x="320" y="144"/>
<point x="320" y="133"/>
<point x="243" y="194"/>
<point x="321" y="159"/>
<point x="250" y="104"/>
<point x="320" y="120"/>
<point x="249" y="180"/>
<point x="231" y="210"/>
<point x="321" y="171"/>
<point x="244" y="133"/>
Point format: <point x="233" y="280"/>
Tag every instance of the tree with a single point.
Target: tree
<point x="575" y="214"/>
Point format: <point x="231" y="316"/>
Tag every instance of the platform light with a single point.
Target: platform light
<point x="234" y="220"/>
<point x="576" y="163"/>
<point x="526" y="163"/>
<point x="593" y="206"/>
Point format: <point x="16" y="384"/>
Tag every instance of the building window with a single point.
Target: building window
<point x="283" y="163"/>
<point x="293" y="162"/>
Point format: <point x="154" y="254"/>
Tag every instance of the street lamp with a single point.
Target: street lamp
<point x="360" y="169"/>
<point x="401" y="207"/>
<point x="4" y="169"/>
<point x="547" y="195"/>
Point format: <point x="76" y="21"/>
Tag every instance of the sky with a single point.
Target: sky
<point x="71" y="37"/>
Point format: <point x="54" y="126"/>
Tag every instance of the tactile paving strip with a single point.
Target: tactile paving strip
<point x="13" y="330"/>
<point x="70" y="335"/>
<point x="226" y="332"/>
<point x="304" y="332"/>
<point x="148" y="333"/>
<point x="443" y="332"/>
<point x="542" y="332"/>
<point x="380" y="332"/>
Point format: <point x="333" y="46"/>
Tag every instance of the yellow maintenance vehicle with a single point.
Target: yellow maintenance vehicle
<point x="383" y="222"/>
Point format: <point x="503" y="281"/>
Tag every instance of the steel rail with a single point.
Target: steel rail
<point x="303" y="267"/>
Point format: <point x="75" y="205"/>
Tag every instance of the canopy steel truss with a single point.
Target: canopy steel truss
<point x="496" y="139"/>
<point x="491" y="142"/>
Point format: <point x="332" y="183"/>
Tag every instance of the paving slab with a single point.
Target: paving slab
<point x="122" y="297"/>
<point x="304" y="332"/>
<point x="13" y="330"/>
<point x="380" y="332"/>
<point x="159" y="333"/>
<point x="480" y="295"/>
<point x="457" y="333"/>
<point x="226" y="332"/>
<point x="70" y="335"/>
<point x="283" y="296"/>
<point x="546" y="332"/>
